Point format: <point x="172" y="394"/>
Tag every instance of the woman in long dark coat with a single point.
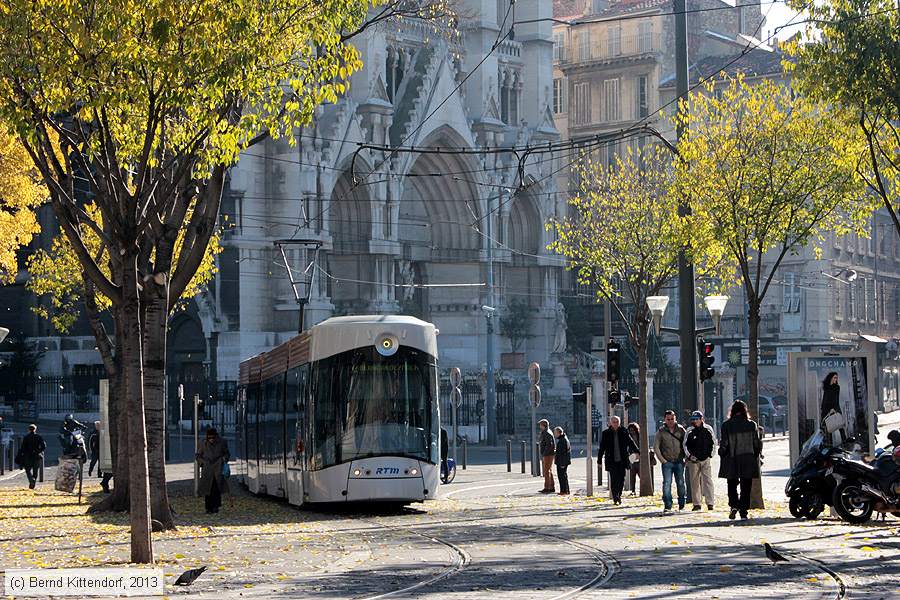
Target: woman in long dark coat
<point x="213" y="456"/>
<point x="831" y="401"/>
<point x="739" y="449"/>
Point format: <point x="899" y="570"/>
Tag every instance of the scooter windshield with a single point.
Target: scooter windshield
<point x="812" y="445"/>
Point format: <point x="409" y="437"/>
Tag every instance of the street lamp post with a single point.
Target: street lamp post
<point x="716" y="306"/>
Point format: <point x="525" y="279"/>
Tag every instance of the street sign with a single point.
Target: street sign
<point x="534" y="395"/>
<point x="534" y="373"/>
<point x="455" y="377"/>
<point x="455" y="397"/>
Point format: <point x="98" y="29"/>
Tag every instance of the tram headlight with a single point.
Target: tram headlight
<point x="357" y="472"/>
<point x="413" y="471"/>
<point x="387" y="345"/>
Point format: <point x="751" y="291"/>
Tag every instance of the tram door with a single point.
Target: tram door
<point x="295" y="432"/>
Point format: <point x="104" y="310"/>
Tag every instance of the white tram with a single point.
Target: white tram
<point x="344" y="412"/>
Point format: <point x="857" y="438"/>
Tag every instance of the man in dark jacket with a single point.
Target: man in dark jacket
<point x="445" y="452"/>
<point x="563" y="459"/>
<point x="548" y="451"/>
<point x="30" y="454"/>
<point x="615" y="447"/>
<point x="739" y="449"/>
<point x="699" y="444"/>
<point x="94" y="447"/>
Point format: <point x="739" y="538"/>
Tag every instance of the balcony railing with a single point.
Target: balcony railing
<point x="612" y="48"/>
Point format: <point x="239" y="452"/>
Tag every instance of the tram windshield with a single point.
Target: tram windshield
<point x="370" y="405"/>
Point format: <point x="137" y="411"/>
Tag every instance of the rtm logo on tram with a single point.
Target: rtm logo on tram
<point x="387" y="471"/>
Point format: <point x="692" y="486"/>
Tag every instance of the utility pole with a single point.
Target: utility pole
<point x="687" y="324"/>
<point x="491" y="403"/>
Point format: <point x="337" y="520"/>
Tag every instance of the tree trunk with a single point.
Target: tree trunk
<point x="646" y="468"/>
<point x="118" y="431"/>
<point x="756" y="496"/>
<point x="753" y="362"/>
<point x="156" y="319"/>
<point x="133" y="371"/>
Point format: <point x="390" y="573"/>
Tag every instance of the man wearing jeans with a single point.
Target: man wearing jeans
<point x="669" y="448"/>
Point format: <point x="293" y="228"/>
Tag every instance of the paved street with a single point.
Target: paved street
<point x="490" y="534"/>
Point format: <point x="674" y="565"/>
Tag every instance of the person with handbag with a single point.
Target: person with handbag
<point x="699" y="445"/>
<point x="213" y="457"/>
<point x="634" y="432"/>
<point x="739" y="448"/>
<point x="669" y="447"/>
<point x="562" y="458"/>
<point x="831" y="414"/>
<point x="30" y="454"/>
<point x="615" y="450"/>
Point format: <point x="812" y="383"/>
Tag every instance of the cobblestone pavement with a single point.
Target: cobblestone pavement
<point x="491" y="535"/>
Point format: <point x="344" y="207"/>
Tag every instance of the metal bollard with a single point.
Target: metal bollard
<point x="783" y="425"/>
<point x="465" y="450"/>
<point x="41" y="470"/>
<point x="509" y="456"/>
<point x="536" y="461"/>
<point x="2" y="460"/>
<point x="523" y="456"/>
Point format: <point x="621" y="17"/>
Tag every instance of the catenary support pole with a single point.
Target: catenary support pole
<point x="590" y="450"/>
<point x="686" y="321"/>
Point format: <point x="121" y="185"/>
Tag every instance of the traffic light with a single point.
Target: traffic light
<point x="613" y="366"/>
<point x="705" y="352"/>
<point x="614" y="396"/>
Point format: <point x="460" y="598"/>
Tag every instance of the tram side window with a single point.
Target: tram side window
<point x="252" y="414"/>
<point x="272" y="431"/>
<point x="324" y="408"/>
<point x="295" y="407"/>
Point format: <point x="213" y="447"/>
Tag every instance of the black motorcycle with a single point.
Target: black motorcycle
<point x="810" y="487"/>
<point x="863" y="488"/>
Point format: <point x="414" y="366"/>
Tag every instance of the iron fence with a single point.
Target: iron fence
<point x="471" y="409"/>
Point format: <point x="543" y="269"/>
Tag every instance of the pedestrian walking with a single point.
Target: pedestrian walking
<point x="445" y="452"/>
<point x="634" y="432"/>
<point x="616" y="446"/>
<point x="699" y="445"/>
<point x="31" y="454"/>
<point x="739" y="449"/>
<point x="669" y="447"/>
<point x="94" y="446"/>
<point x="548" y="452"/>
<point x="562" y="458"/>
<point x="213" y="457"/>
<point x="596" y="419"/>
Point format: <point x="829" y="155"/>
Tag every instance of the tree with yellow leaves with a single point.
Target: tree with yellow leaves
<point x="56" y="273"/>
<point x="21" y="192"/>
<point x="145" y="105"/>
<point x="765" y="172"/>
<point x="623" y="237"/>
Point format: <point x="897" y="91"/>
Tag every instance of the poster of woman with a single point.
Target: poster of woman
<point x="835" y="387"/>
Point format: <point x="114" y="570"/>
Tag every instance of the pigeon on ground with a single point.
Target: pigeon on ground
<point x="190" y="576"/>
<point x="773" y="555"/>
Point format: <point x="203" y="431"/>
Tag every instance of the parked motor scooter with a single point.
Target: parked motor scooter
<point x="811" y="487"/>
<point x="863" y="488"/>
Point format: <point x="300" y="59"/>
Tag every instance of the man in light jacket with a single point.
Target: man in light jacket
<point x="699" y="446"/>
<point x="669" y="448"/>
